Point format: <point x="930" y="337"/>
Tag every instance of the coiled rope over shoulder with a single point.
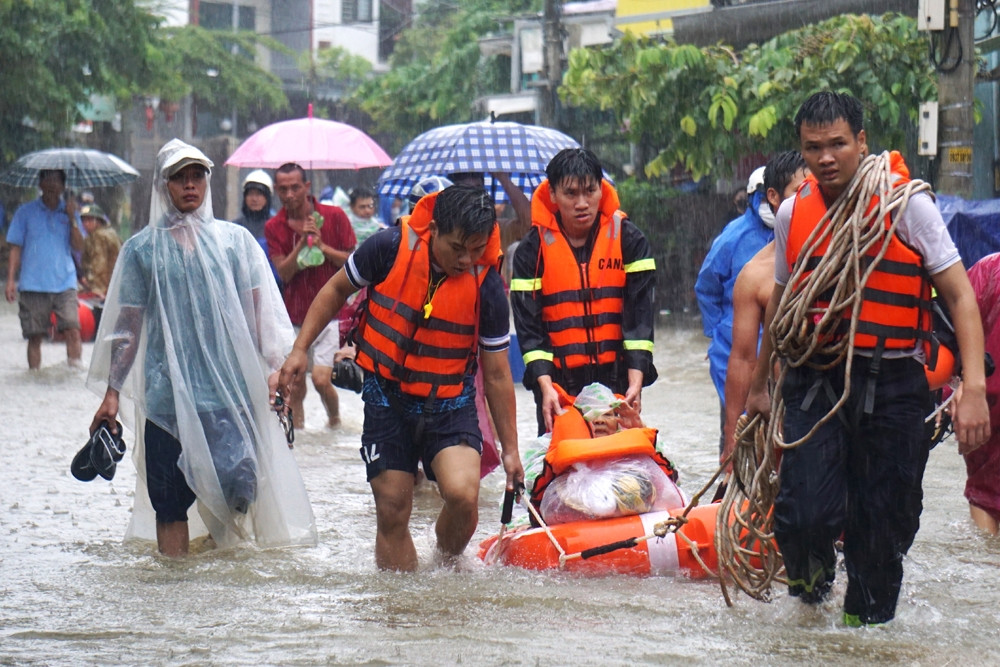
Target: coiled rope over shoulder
<point x="801" y="331"/>
<point x="802" y="334"/>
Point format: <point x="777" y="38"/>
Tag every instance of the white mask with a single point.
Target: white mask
<point x="765" y="213"/>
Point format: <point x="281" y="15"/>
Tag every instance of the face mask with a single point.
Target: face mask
<point x="765" y="213"/>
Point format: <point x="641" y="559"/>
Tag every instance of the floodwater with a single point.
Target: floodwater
<point x="72" y="593"/>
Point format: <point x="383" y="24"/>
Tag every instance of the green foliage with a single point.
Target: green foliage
<point x="436" y="71"/>
<point x="191" y="60"/>
<point x="56" y="53"/>
<point x="704" y="108"/>
<point x="336" y="64"/>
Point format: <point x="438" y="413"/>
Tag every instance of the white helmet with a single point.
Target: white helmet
<point x="260" y="177"/>
<point x="428" y="185"/>
<point x="756" y="181"/>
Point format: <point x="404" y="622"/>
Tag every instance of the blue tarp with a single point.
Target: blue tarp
<point x="973" y="225"/>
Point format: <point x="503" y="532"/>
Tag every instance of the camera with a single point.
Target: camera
<point x="348" y="375"/>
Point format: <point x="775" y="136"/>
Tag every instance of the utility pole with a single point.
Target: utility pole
<point x="955" y="97"/>
<point x="552" y="52"/>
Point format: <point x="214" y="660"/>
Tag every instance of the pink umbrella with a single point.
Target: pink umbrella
<point x="313" y="143"/>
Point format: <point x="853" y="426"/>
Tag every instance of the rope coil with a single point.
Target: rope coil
<point x="744" y="536"/>
<point x="801" y="332"/>
<point x="804" y="334"/>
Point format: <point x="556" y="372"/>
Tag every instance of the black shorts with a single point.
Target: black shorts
<point x="168" y="489"/>
<point x="387" y="442"/>
<point x="234" y="464"/>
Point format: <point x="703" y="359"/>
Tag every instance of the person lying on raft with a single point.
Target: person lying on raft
<point x="600" y="461"/>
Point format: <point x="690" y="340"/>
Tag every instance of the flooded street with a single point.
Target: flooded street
<point x="72" y="593"/>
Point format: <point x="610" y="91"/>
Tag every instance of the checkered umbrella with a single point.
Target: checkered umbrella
<point x="523" y="151"/>
<point x="84" y="167"/>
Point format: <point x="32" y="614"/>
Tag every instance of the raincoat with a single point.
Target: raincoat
<point x="193" y="324"/>
<point x="982" y="486"/>
<point x="741" y="239"/>
<point x="100" y="252"/>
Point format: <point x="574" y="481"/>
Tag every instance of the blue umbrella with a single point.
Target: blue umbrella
<point x="523" y="151"/>
<point x="84" y="167"/>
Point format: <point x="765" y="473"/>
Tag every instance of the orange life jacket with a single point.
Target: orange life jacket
<point x="895" y="313"/>
<point x="572" y="443"/>
<point x="428" y="351"/>
<point x="581" y="308"/>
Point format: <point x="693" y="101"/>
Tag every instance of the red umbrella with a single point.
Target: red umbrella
<point x="313" y="143"/>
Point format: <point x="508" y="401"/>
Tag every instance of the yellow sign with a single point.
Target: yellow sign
<point x="961" y="155"/>
<point x="653" y="17"/>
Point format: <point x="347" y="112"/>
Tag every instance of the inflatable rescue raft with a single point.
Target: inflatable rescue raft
<point x="533" y="549"/>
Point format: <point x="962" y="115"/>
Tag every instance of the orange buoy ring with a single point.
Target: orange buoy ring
<point x="88" y="323"/>
<point x="942" y="371"/>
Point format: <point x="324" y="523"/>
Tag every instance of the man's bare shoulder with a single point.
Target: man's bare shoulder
<point x="756" y="280"/>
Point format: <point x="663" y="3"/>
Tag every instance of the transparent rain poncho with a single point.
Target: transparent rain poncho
<point x="193" y="324"/>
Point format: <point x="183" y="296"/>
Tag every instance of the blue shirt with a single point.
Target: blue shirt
<point x="175" y="279"/>
<point x="46" y="257"/>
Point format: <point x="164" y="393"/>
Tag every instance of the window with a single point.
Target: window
<point x="356" y="11"/>
<point x="219" y="16"/>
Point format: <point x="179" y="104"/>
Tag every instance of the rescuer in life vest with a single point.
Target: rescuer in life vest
<point x="860" y="472"/>
<point x="436" y="307"/>
<point x="582" y="289"/>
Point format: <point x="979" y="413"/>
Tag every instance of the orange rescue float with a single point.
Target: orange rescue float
<point x="532" y="549"/>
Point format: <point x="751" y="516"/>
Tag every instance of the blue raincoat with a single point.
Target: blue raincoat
<point x="738" y="242"/>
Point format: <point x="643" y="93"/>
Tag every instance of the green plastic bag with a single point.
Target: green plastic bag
<point x="311" y="255"/>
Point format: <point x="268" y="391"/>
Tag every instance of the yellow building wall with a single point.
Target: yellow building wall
<point x="642" y="8"/>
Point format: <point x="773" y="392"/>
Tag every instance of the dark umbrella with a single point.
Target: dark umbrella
<point x="84" y="167"/>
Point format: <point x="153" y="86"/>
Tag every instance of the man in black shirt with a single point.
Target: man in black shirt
<point x="435" y="300"/>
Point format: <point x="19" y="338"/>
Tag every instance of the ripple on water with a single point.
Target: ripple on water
<point x="72" y="593"/>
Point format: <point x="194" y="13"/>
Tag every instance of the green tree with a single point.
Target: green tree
<point x="55" y="54"/>
<point x="191" y="60"/>
<point x="704" y="108"/>
<point x="436" y="72"/>
<point x="337" y="66"/>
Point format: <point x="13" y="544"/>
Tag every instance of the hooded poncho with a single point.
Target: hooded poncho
<point x="193" y="324"/>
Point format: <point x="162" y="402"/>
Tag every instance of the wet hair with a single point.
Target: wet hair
<point x="360" y="193"/>
<point x="291" y="168"/>
<point x="465" y="208"/>
<point x="828" y="107"/>
<point x="466" y="177"/>
<point x="780" y="169"/>
<point x="45" y="172"/>
<point x="577" y="164"/>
